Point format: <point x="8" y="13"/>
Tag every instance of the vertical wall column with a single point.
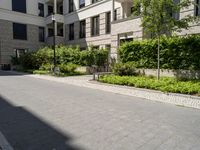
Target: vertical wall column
<point x="88" y="27"/>
<point x="55" y="6"/>
<point x="113" y="10"/>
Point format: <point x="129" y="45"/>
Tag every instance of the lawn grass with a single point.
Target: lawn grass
<point x="165" y="84"/>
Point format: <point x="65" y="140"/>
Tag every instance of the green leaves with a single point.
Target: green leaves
<point x="164" y="84"/>
<point x="64" y="55"/>
<point x="175" y="53"/>
<point x="161" y="17"/>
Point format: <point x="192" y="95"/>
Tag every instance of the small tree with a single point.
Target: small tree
<point x="161" y="17"/>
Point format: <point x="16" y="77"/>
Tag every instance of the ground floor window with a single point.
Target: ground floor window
<point x="20" y="52"/>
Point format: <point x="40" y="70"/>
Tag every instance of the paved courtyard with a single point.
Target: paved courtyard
<point x="37" y="114"/>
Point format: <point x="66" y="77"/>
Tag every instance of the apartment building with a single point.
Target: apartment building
<point x="26" y="25"/>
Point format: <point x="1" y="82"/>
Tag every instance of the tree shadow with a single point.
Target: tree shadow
<point x="24" y="131"/>
<point x="12" y="73"/>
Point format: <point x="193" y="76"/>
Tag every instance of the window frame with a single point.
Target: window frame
<point x="70" y="6"/>
<point x="41" y="12"/>
<point x="81" y="5"/>
<point x="95" y="26"/>
<point x="20" y="8"/>
<point x="197" y="8"/>
<point x="108" y="22"/>
<point x="82" y="31"/>
<point x="71" y="32"/>
<point x="23" y="35"/>
<point x="18" y="52"/>
<point x="41" y="38"/>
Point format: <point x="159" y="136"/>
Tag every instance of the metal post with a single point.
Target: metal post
<point x="54" y="47"/>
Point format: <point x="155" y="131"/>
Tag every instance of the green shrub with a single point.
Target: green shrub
<point x="46" y="67"/>
<point x="67" y="68"/>
<point x="40" y="72"/>
<point x="42" y="58"/>
<point x="165" y="84"/>
<point x="124" y="69"/>
<point x="175" y="53"/>
<point x="29" y="61"/>
<point x="100" y="57"/>
<point x="67" y="55"/>
<point x="96" y="57"/>
<point x="14" y="60"/>
<point x="87" y="58"/>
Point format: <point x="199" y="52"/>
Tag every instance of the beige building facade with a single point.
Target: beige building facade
<point x="26" y="25"/>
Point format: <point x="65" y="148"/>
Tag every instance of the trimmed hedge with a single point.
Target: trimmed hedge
<point x="64" y="55"/>
<point x="176" y="53"/>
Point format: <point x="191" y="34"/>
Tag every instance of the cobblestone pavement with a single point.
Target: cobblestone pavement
<point x="37" y="114"/>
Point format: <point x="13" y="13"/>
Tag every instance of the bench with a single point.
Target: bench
<point x="100" y="73"/>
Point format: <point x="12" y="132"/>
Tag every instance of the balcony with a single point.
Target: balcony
<point x="58" y="17"/>
<point x="52" y="1"/>
<point x="58" y="39"/>
<point x="127" y="25"/>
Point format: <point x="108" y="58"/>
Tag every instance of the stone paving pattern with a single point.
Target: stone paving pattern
<point x="38" y="114"/>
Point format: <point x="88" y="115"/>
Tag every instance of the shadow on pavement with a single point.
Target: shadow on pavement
<point x="11" y="73"/>
<point x="24" y="131"/>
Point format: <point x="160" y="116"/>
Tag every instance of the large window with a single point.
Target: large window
<point x="19" y="31"/>
<point x="108" y="22"/>
<point x="20" y="52"/>
<point x="19" y="5"/>
<point x="50" y="10"/>
<point x="82" y="29"/>
<point x="50" y="32"/>
<point x="41" y="9"/>
<point x="115" y="14"/>
<point x="71" y="31"/>
<point x="95" y="26"/>
<point x="71" y="6"/>
<point x="41" y="34"/>
<point x="81" y="3"/>
<point x="197" y="8"/>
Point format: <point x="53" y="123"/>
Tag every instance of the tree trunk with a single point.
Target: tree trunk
<point x="158" y="65"/>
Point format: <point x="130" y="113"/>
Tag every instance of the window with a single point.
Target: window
<point x="108" y="22"/>
<point x="71" y="6"/>
<point x="172" y="13"/>
<point x="115" y="14"/>
<point x="41" y="9"/>
<point x="81" y="3"/>
<point x="95" y="46"/>
<point x="136" y="9"/>
<point x="61" y="9"/>
<point x="94" y="1"/>
<point x="82" y="29"/>
<point x="41" y="34"/>
<point x="60" y="32"/>
<point x="71" y="31"/>
<point x="108" y="47"/>
<point x="50" y="32"/>
<point x="19" y="31"/>
<point x="95" y="26"/>
<point x="50" y="10"/>
<point x="197" y="8"/>
<point x="20" y="52"/>
<point x="19" y="5"/>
